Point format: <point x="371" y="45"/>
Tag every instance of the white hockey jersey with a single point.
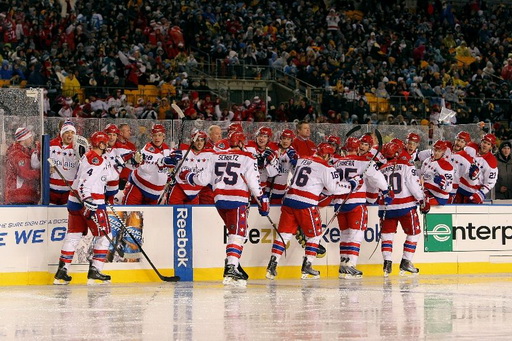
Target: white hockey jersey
<point x="374" y="181"/>
<point x="271" y="168"/>
<point x="149" y="177"/>
<point x="488" y="172"/>
<point x="93" y="174"/>
<point x="311" y="176"/>
<point x="233" y="175"/>
<point x="429" y="170"/>
<point x="279" y="184"/>
<point x="403" y="179"/>
<point x="195" y="162"/>
<point x="67" y="161"/>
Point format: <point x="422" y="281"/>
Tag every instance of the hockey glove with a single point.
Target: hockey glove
<point x="388" y="196"/>
<point x="474" y="171"/>
<point x="264" y="207"/>
<point x="355" y="183"/>
<point x="171" y="160"/>
<point x="135" y="158"/>
<point x="477" y="198"/>
<point x="424" y="206"/>
<point x="187" y="177"/>
<point x="89" y="208"/>
<point x="440" y="180"/>
<point x="292" y="155"/>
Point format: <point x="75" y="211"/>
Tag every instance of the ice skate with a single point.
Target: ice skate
<point x="307" y="270"/>
<point x="94" y="276"/>
<point x="407" y="268"/>
<point x="349" y="271"/>
<point x="388" y="267"/>
<point x="241" y="270"/>
<point x="232" y="277"/>
<point x="272" y="268"/>
<point x="62" y="277"/>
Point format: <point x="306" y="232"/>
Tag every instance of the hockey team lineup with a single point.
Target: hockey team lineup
<point x="233" y="173"/>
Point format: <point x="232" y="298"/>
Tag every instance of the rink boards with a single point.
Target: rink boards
<point x="189" y="241"/>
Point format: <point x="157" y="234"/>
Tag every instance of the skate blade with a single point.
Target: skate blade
<point x="404" y="273"/>
<point x="269" y="276"/>
<point x="60" y="282"/>
<point x="386" y="274"/>
<point x="321" y="255"/>
<point x="240" y="283"/>
<point x="349" y="276"/>
<point x="308" y="276"/>
<point x="91" y="281"/>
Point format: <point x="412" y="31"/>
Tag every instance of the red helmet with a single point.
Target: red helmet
<point x="235" y="126"/>
<point x="390" y="150"/>
<point x="111" y="129"/>
<point x="490" y="138"/>
<point x="325" y="148"/>
<point x="99" y="137"/>
<point x="200" y="135"/>
<point x="333" y="139"/>
<point x="399" y="142"/>
<point x="352" y="144"/>
<point x="440" y="144"/>
<point x="413" y="137"/>
<point x="264" y="131"/>
<point x="287" y="133"/>
<point x="449" y="144"/>
<point x="157" y="128"/>
<point x="463" y="135"/>
<point x="367" y="138"/>
<point x="235" y="138"/>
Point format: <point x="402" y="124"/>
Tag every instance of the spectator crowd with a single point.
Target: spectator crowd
<point x="421" y="59"/>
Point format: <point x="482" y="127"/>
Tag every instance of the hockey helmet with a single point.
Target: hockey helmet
<point x="491" y="138"/>
<point x="325" y="148"/>
<point x="199" y="134"/>
<point x="413" y="137"/>
<point x="463" y="135"/>
<point x="287" y="133"/>
<point x="264" y="131"/>
<point x="97" y="138"/>
<point x="333" y="139"/>
<point x="352" y="144"/>
<point x="111" y="129"/>
<point x="235" y="138"/>
<point x="157" y="128"/>
<point x="390" y="150"/>
<point x="439" y="144"/>
<point x="367" y="138"/>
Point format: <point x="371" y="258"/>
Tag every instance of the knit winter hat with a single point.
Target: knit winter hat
<point x="67" y="126"/>
<point x="22" y="133"/>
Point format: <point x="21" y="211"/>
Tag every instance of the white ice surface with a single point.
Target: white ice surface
<point x="425" y="307"/>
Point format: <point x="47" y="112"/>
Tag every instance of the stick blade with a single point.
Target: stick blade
<point x="170" y="278"/>
<point x="178" y="110"/>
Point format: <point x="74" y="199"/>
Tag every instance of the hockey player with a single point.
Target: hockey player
<point x="86" y="207"/>
<point x="351" y="210"/>
<point x="64" y="156"/>
<point x="266" y="156"/>
<point x="183" y="193"/>
<point x="125" y="146"/>
<point x="287" y="159"/>
<point x="404" y="182"/>
<point x="300" y="207"/>
<point x="482" y="173"/>
<point x="335" y="141"/>
<point x="437" y="174"/>
<point x="461" y="141"/>
<point x="411" y="145"/>
<point x="234" y="176"/>
<point x="147" y="182"/>
<point x="22" y="172"/>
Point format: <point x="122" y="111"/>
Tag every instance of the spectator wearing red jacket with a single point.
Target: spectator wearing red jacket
<point x="22" y="170"/>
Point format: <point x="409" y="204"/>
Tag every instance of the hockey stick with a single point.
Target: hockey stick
<point x="352" y="131"/>
<point x="93" y="217"/>
<point x="268" y="217"/>
<point x="172" y="182"/>
<point x="337" y="211"/>
<point x="125" y="230"/>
